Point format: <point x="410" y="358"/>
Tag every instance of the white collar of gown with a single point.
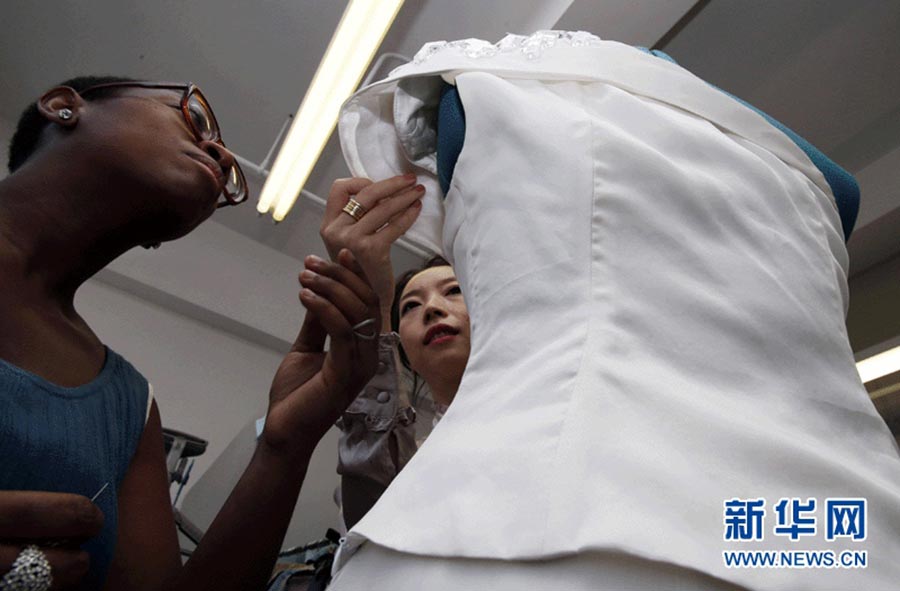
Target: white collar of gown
<point x="656" y="279"/>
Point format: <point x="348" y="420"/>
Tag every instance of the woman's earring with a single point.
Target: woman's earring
<point x="65" y="114"/>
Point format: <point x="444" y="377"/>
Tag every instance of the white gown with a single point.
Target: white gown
<point x="656" y="280"/>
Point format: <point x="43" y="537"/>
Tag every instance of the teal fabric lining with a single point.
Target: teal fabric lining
<point x="451" y="134"/>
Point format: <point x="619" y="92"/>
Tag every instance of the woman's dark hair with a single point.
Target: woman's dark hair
<point x="31" y="123"/>
<point x="399" y="286"/>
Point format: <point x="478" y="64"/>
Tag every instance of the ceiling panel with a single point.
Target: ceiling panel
<point x="253" y="59"/>
<point x="826" y="68"/>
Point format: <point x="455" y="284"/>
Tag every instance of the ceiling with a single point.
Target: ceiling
<point x="826" y="68"/>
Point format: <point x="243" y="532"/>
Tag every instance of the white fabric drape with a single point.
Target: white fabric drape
<point x="656" y="279"/>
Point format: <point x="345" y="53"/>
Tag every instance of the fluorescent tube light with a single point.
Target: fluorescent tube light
<point x="352" y="47"/>
<point x="879" y="365"/>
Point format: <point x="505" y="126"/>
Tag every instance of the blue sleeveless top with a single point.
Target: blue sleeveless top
<point x="73" y="440"/>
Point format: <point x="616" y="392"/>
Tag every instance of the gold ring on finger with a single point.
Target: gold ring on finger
<point x="355" y="209"/>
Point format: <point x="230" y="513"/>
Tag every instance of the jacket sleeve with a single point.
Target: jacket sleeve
<point x="377" y="435"/>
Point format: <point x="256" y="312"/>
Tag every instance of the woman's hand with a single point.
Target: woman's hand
<point x="59" y="519"/>
<point x="391" y="205"/>
<point x="313" y="387"/>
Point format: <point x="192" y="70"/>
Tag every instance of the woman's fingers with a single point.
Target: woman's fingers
<point x="400" y="223"/>
<point x="337" y="296"/>
<point x="340" y="298"/>
<point x="48" y="518"/>
<point x="348" y="292"/>
<point x="44" y="515"/>
<point x="350" y="361"/>
<point x="67" y="566"/>
<point x="340" y="278"/>
<point x="340" y="193"/>
<point x="372" y="194"/>
<point x="344" y="300"/>
<point x="338" y="229"/>
<point x="386" y="209"/>
<point x="348" y="260"/>
<point x="332" y="320"/>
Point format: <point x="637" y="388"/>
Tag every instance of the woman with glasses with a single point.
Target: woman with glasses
<point x="99" y="166"/>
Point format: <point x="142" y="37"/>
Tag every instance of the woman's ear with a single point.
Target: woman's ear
<point x="61" y="105"/>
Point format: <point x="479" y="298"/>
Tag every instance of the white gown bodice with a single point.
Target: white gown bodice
<point x="656" y="280"/>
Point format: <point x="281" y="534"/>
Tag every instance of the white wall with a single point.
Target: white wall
<point x="223" y="277"/>
<point x="206" y="382"/>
